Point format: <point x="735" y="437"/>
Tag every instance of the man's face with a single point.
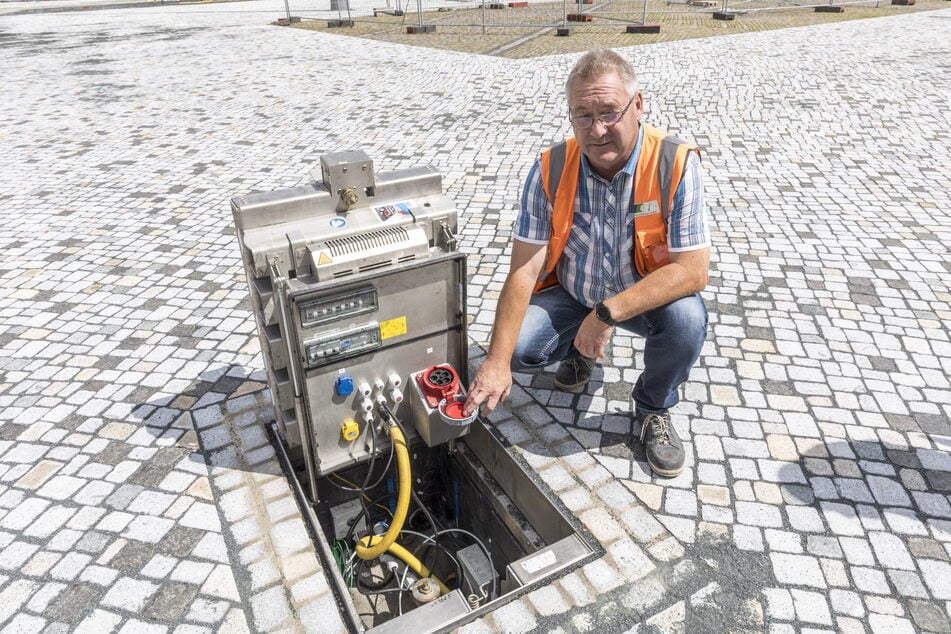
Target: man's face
<point x="607" y="148"/>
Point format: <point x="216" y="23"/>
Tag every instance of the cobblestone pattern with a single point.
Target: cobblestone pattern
<point x="137" y="489"/>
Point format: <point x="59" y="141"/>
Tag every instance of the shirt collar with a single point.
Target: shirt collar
<point x="628" y="168"/>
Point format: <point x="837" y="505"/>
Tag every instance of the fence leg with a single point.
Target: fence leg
<point x="643" y="26"/>
<point x="419" y="28"/>
<point x="830" y="8"/>
<point x="564" y="29"/>
<point x="724" y="13"/>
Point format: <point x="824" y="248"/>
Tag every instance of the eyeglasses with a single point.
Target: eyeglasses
<point x="608" y="118"/>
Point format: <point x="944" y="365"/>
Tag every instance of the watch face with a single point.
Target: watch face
<point x="603" y="313"/>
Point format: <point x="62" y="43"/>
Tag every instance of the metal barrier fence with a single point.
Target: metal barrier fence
<point x="423" y="16"/>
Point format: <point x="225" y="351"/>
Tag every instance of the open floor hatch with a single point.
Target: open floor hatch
<point x="498" y="534"/>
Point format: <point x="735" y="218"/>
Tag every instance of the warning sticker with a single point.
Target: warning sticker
<point x="323" y="259"/>
<point x="391" y="211"/>
<point x="393" y="328"/>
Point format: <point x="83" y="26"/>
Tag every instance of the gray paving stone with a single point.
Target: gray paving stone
<point x="170" y="602"/>
<point x="928" y="616"/>
<point x="74" y="602"/>
<point x="180" y="540"/>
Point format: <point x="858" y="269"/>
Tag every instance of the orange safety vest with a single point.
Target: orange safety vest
<point x="659" y="170"/>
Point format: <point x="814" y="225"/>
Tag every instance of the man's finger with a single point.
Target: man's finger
<point x="472" y="403"/>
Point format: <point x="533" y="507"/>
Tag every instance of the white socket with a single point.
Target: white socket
<point x="396" y="396"/>
<point x="379" y="384"/>
<point x="365" y="389"/>
<point x="366" y="405"/>
<point x="395" y="380"/>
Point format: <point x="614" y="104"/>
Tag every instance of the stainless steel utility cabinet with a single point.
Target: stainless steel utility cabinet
<point x="356" y="283"/>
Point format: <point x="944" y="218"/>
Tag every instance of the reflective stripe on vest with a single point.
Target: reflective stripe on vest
<point x="659" y="170"/>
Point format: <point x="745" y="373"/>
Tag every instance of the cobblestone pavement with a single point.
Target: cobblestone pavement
<point x="138" y="491"/>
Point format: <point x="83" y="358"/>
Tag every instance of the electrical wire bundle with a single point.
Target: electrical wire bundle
<point x="396" y="561"/>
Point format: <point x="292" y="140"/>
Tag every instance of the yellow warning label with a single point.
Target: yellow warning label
<point x="323" y="259"/>
<point x="393" y="328"/>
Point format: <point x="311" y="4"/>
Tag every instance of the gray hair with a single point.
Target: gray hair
<point x="599" y="61"/>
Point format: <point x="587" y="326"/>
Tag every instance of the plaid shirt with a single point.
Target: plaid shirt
<point x="597" y="262"/>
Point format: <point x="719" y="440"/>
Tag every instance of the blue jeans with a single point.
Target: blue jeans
<point x="674" y="336"/>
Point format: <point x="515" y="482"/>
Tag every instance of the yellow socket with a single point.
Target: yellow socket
<point x="350" y="430"/>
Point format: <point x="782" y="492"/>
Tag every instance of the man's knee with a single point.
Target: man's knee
<point x="529" y="353"/>
<point x="537" y="339"/>
<point x="685" y="318"/>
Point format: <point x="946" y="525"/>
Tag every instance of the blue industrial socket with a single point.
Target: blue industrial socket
<point x="344" y="385"/>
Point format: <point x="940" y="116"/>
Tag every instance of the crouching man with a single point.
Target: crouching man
<point x="612" y="231"/>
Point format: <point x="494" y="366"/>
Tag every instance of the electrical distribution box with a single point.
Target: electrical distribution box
<point x="356" y="284"/>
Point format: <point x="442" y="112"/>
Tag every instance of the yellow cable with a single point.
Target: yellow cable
<point x="344" y="480"/>
<point x="372" y="546"/>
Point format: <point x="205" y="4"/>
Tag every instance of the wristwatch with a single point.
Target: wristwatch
<point x="603" y="313"/>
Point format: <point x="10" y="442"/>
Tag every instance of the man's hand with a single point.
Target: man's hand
<point x="491" y="385"/>
<point x="593" y="337"/>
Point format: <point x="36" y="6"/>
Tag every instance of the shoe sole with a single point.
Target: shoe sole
<point x="577" y="388"/>
<point x="664" y="473"/>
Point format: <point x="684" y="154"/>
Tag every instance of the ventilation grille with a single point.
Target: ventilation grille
<point x="365" y="242"/>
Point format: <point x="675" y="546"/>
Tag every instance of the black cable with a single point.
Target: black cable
<point x="366" y="479"/>
<point x="389" y="461"/>
<point x="356" y="520"/>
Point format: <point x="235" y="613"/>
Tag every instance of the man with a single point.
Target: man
<point x="612" y="231"/>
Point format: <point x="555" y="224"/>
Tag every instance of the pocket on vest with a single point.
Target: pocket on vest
<point x="650" y="243"/>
